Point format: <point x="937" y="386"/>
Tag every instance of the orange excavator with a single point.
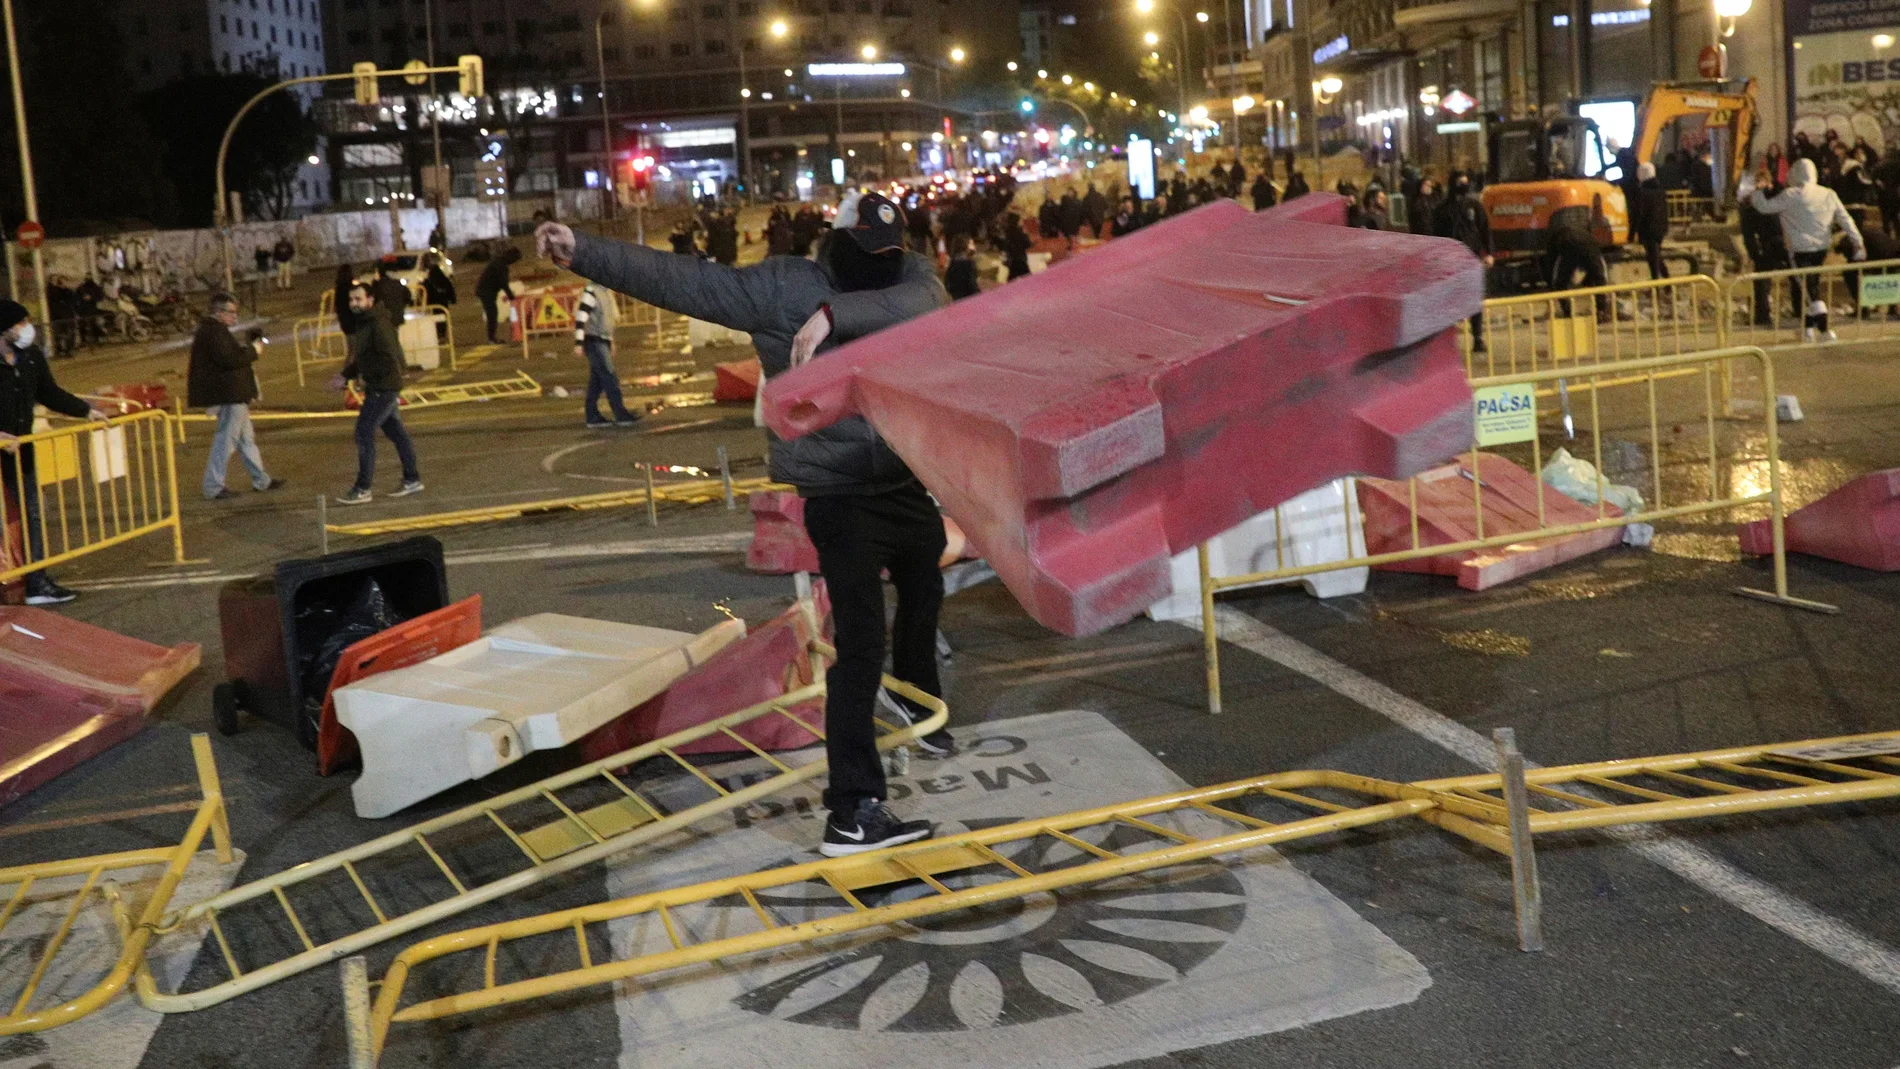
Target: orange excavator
<point x="1559" y="171"/>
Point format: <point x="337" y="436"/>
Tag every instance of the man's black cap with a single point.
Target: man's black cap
<point x="879" y="226"/>
<point x="11" y="314"/>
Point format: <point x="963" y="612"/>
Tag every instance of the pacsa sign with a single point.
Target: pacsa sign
<point x="1506" y="414"/>
<point x="1879" y="289"/>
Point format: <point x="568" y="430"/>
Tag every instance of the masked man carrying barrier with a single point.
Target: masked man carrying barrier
<point x="25" y="381"/>
<point x="866" y="513"/>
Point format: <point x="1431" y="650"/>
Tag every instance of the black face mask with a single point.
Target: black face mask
<point x="854" y="269"/>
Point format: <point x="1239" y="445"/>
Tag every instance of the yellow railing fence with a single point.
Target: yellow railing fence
<point x="1634" y="400"/>
<point x="1769" y="307"/>
<point x="316" y="340"/>
<point x="81" y="488"/>
<point x="1597" y="325"/>
<point x="49" y="882"/>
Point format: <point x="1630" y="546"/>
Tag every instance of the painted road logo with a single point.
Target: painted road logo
<point x="1096" y="975"/>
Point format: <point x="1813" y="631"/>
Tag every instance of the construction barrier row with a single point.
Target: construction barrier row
<point x="81" y="488"/>
<point x="43" y="885"/>
<point x="738" y="917"/>
<point x="316" y="340"/>
<point x="1443" y="512"/>
<point x="690" y="492"/>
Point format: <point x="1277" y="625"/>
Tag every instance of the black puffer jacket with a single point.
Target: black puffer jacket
<point x="770" y="300"/>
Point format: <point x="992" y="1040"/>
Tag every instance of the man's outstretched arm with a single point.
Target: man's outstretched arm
<point x="740" y="299"/>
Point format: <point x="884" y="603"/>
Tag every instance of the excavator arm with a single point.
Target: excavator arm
<point x="1669" y="101"/>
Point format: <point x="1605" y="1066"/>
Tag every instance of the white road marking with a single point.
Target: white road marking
<point x="1872" y="959"/>
<point x="548" y="462"/>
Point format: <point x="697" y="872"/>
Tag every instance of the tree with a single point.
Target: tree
<point x="92" y="150"/>
<point x="191" y="114"/>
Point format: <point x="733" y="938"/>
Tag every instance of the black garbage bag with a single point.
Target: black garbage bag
<point x="327" y="629"/>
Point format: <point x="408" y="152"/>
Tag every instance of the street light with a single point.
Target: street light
<point x="1151" y="38"/>
<point x="1042" y="74"/>
<point x="780" y="28"/>
<point x="957" y="55"/>
<point x="1012" y="64"/>
<point x="869" y="52"/>
<point x="1200" y="17"/>
<point x="1068" y="79"/>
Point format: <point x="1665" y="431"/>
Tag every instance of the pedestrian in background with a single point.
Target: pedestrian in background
<point x="1016" y="245"/>
<point x="340" y="302"/>
<point x="26" y="380"/>
<point x="221" y="379"/>
<point x="1809" y="213"/>
<point x="960" y="277"/>
<point x="438" y="289"/>
<point x="392" y="297"/>
<point x="594" y="323"/>
<point x="376" y="361"/>
<point x="1649" y="218"/>
<point x="1263" y="195"/>
<point x="1461" y="217"/>
<point x="261" y="256"/>
<point x="1296" y="186"/>
<point x="283" y="254"/>
<point x="493" y="284"/>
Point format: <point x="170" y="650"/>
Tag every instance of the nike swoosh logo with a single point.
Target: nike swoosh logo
<point x="855" y="836"/>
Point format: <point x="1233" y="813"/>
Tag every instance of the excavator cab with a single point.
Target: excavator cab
<point x="1545" y="173"/>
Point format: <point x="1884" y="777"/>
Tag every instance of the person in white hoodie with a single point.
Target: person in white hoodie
<point x="1809" y="213"/>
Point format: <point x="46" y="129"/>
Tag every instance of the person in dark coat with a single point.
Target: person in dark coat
<point x="26" y="380"/>
<point x="960" y="278"/>
<point x="492" y="285"/>
<point x="345" y="319"/>
<point x="391" y="295"/>
<point x="1374" y="213"/>
<point x="682" y="239"/>
<point x="864" y="509"/>
<point x="1070" y="217"/>
<point x="1767" y="250"/>
<point x="437" y="287"/>
<point x="1127" y="219"/>
<point x="1572" y="249"/>
<point x="283" y="253"/>
<point x="1629" y="180"/>
<point x="806" y="226"/>
<point x="722" y="239"/>
<point x="376" y="359"/>
<point x="1461" y="217"/>
<point x="778" y="233"/>
<point x="1218" y="175"/>
<point x="1095" y="211"/>
<point x="1015" y="246"/>
<point x="1177" y="194"/>
<point x="1049" y="218"/>
<point x="1236" y="180"/>
<point x="221" y="380"/>
<point x="1296" y="186"/>
<point x="1263" y="194"/>
<point x="1649" y="218"/>
<point x="1423" y="209"/>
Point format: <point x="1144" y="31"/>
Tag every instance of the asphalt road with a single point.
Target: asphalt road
<point x="1765" y="940"/>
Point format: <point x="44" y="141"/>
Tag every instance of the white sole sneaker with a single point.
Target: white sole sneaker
<point x="848" y="849"/>
<point x="406" y="489"/>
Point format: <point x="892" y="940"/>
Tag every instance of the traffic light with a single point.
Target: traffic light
<point x="366" y="93"/>
<point x="1028" y="105"/>
<point x="642" y="172"/>
<point x="470" y="68"/>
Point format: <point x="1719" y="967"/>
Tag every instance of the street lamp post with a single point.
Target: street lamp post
<point x="606" y="123"/>
<point x="26" y="169"/>
<point x="440" y="199"/>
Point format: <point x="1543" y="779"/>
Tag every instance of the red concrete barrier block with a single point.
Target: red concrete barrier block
<point x="69" y="691"/>
<point x="773" y="659"/>
<point x="780" y="545"/>
<point x="1446" y="514"/>
<point x="1088" y="423"/>
<point x="737" y="381"/>
<point x="1858" y="524"/>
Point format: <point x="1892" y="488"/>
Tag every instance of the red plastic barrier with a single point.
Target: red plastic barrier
<point x="780" y="545"/>
<point x="69" y="691"/>
<point x="736" y="381"/>
<point x="773" y="660"/>
<point x="410" y="642"/>
<point x="1445" y="515"/>
<point x="1858" y="524"/>
<point x="138" y="396"/>
<point x="1086" y="424"/>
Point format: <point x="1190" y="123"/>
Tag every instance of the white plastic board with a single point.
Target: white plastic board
<point x="1320" y="526"/>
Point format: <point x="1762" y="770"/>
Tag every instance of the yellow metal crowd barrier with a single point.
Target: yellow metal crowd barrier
<point x="1769" y="306"/>
<point x="1598" y="325"/>
<point x="694" y="492"/>
<point x="1685" y="208"/>
<point x="1636" y="392"/>
<point x="536" y="957"/>
<point x="136" y="935"/>
<point x="84" y="487"/>
<point x="548" y="828"/>
<point x="316" y="340"/>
